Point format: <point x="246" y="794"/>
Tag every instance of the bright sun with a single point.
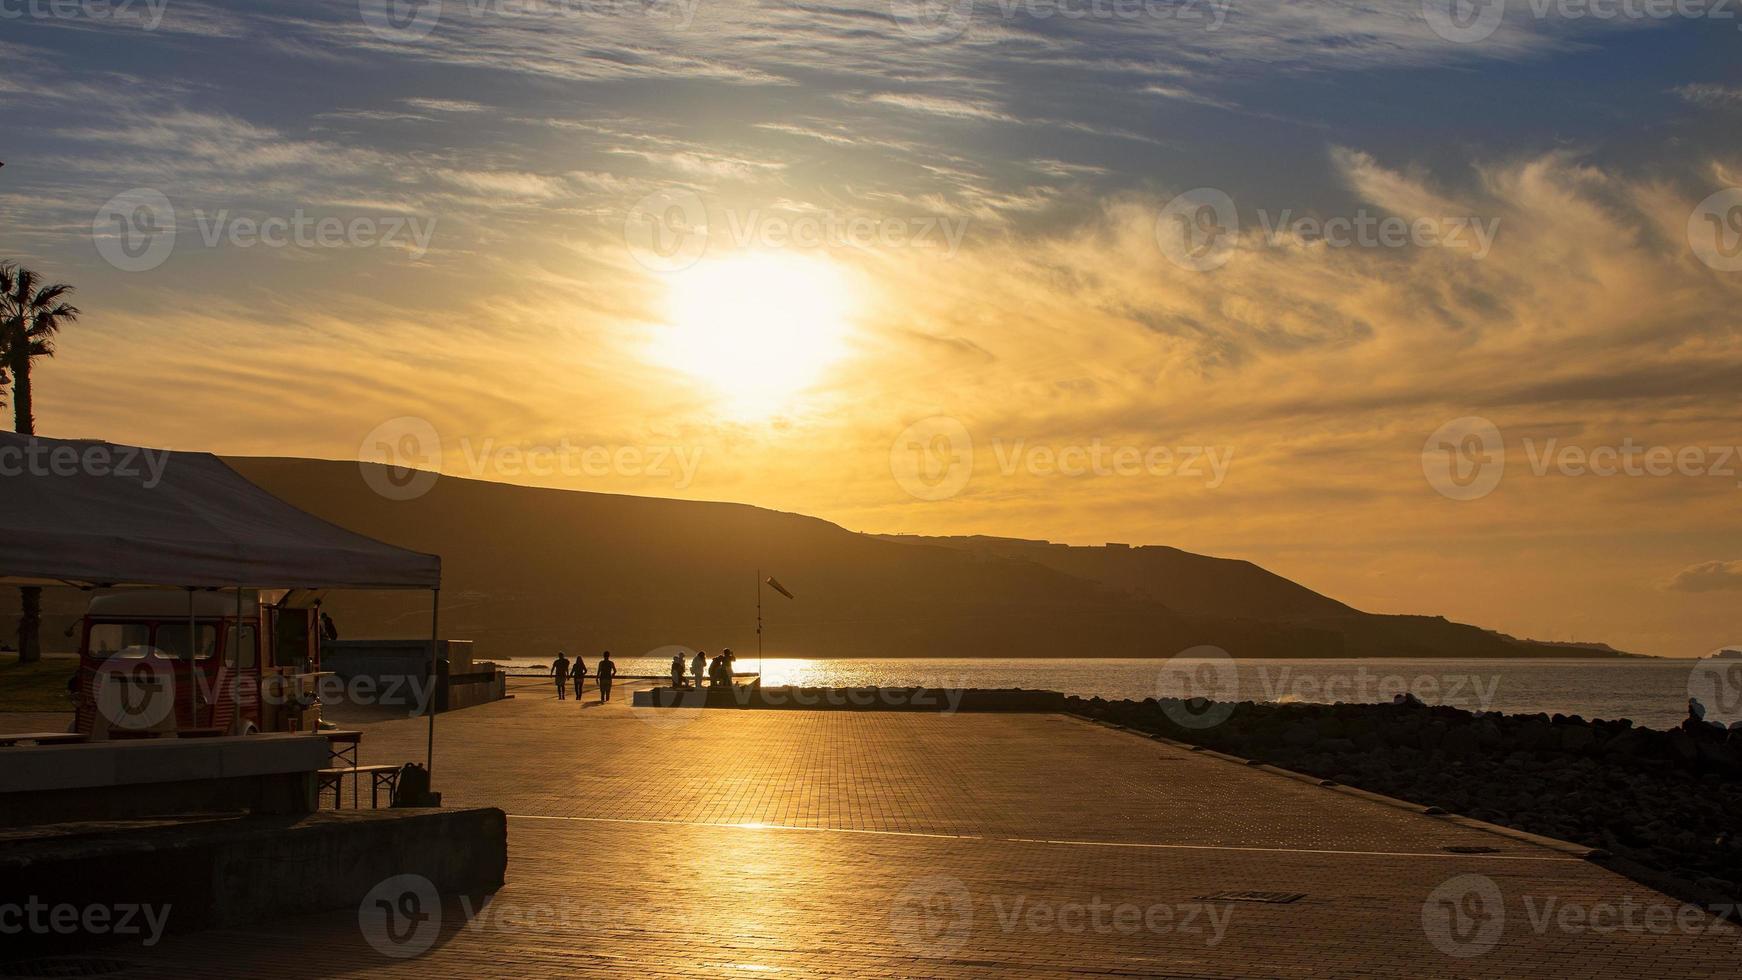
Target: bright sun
<point x="758" y="328"/>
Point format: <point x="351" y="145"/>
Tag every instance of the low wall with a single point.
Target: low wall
<point x="122" y="779"/>
<point x="397" y="672"/>
<point x="194" y="875"/>
<point x="1665" y="801"/>
<point x="943" y="700"/>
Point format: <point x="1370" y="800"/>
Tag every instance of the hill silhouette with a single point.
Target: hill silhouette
<point x="528" y="570"/>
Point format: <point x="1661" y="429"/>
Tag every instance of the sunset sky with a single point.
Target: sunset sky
<point x="793" y="254"/>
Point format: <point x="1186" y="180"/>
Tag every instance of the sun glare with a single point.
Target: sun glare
<point x="758" y="329"/>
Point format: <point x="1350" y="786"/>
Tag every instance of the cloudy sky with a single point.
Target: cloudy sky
<point x="1433" y="310"/>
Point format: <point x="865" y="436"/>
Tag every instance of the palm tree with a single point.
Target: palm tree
<point x="30" y="315"/>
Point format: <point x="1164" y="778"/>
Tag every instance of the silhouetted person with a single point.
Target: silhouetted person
<point x="329" y="632"/>
<point x="580" y="675"/>
<point x="607" y="673"/>
<point x="731" y="665"/>
<point x="676" y="671"/>
<point x="1696" y="711"/>
<point x="560" y="670"/>
<point x="698" y="666"/>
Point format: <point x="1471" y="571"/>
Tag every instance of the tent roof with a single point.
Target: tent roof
<point x="92" y="513"/>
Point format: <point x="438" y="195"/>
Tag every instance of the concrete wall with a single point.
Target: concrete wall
<point x="247" y="870"/>
<point x="116" y="780"/>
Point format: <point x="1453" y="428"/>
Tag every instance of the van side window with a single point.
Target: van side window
<point x="172" y="641"/>
<point x="245" y="646"/>
<point x="110" y="639"/>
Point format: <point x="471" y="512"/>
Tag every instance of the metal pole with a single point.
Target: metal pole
<point x="759" y="624"/>
<point x="193" y="666"/>
<point x="236" y="720"/>
<point x="435" y="602"/>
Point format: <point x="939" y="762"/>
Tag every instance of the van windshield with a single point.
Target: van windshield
<point x="132" y="641"/>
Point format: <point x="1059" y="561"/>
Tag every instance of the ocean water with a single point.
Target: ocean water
<point x="1650" y="692"/>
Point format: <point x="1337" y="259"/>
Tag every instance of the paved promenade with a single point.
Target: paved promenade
<point x="787" y="844"/>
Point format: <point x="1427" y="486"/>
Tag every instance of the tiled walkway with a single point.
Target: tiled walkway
<point x="779" y="844"/>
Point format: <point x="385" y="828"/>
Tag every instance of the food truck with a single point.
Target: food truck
<point x="203" y="661"/>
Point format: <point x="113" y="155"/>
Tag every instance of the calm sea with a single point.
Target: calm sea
<point x="1651" y="692"/>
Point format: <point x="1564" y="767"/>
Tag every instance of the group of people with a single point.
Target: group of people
<point x="562" y="671"/>
<point x="719" y="669"/>
<point x="719" y="672"/>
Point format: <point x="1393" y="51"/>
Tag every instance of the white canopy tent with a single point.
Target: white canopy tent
<point x="93" y="514"/>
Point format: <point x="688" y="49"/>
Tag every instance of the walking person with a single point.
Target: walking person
<point x="560" y="670"/>
<point x="607" y="672"/>
<point x="697" y="667"/>
<point x="580" y="675"/>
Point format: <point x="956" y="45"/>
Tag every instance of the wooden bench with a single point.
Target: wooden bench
<point x="379" y="776"/>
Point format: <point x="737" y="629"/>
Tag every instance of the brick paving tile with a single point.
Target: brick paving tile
<point x="794" y="844"/>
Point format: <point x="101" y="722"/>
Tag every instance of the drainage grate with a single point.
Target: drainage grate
<point x="64" y="966"/>
<point x="1271" y="898"/>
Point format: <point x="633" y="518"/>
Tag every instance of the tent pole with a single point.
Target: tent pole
<point x="435" y="604"/>
<point x="236" y="721"/>
<point x="193" y="665"/>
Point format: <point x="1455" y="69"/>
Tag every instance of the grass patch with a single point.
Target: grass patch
<point x="41" y="686"/>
